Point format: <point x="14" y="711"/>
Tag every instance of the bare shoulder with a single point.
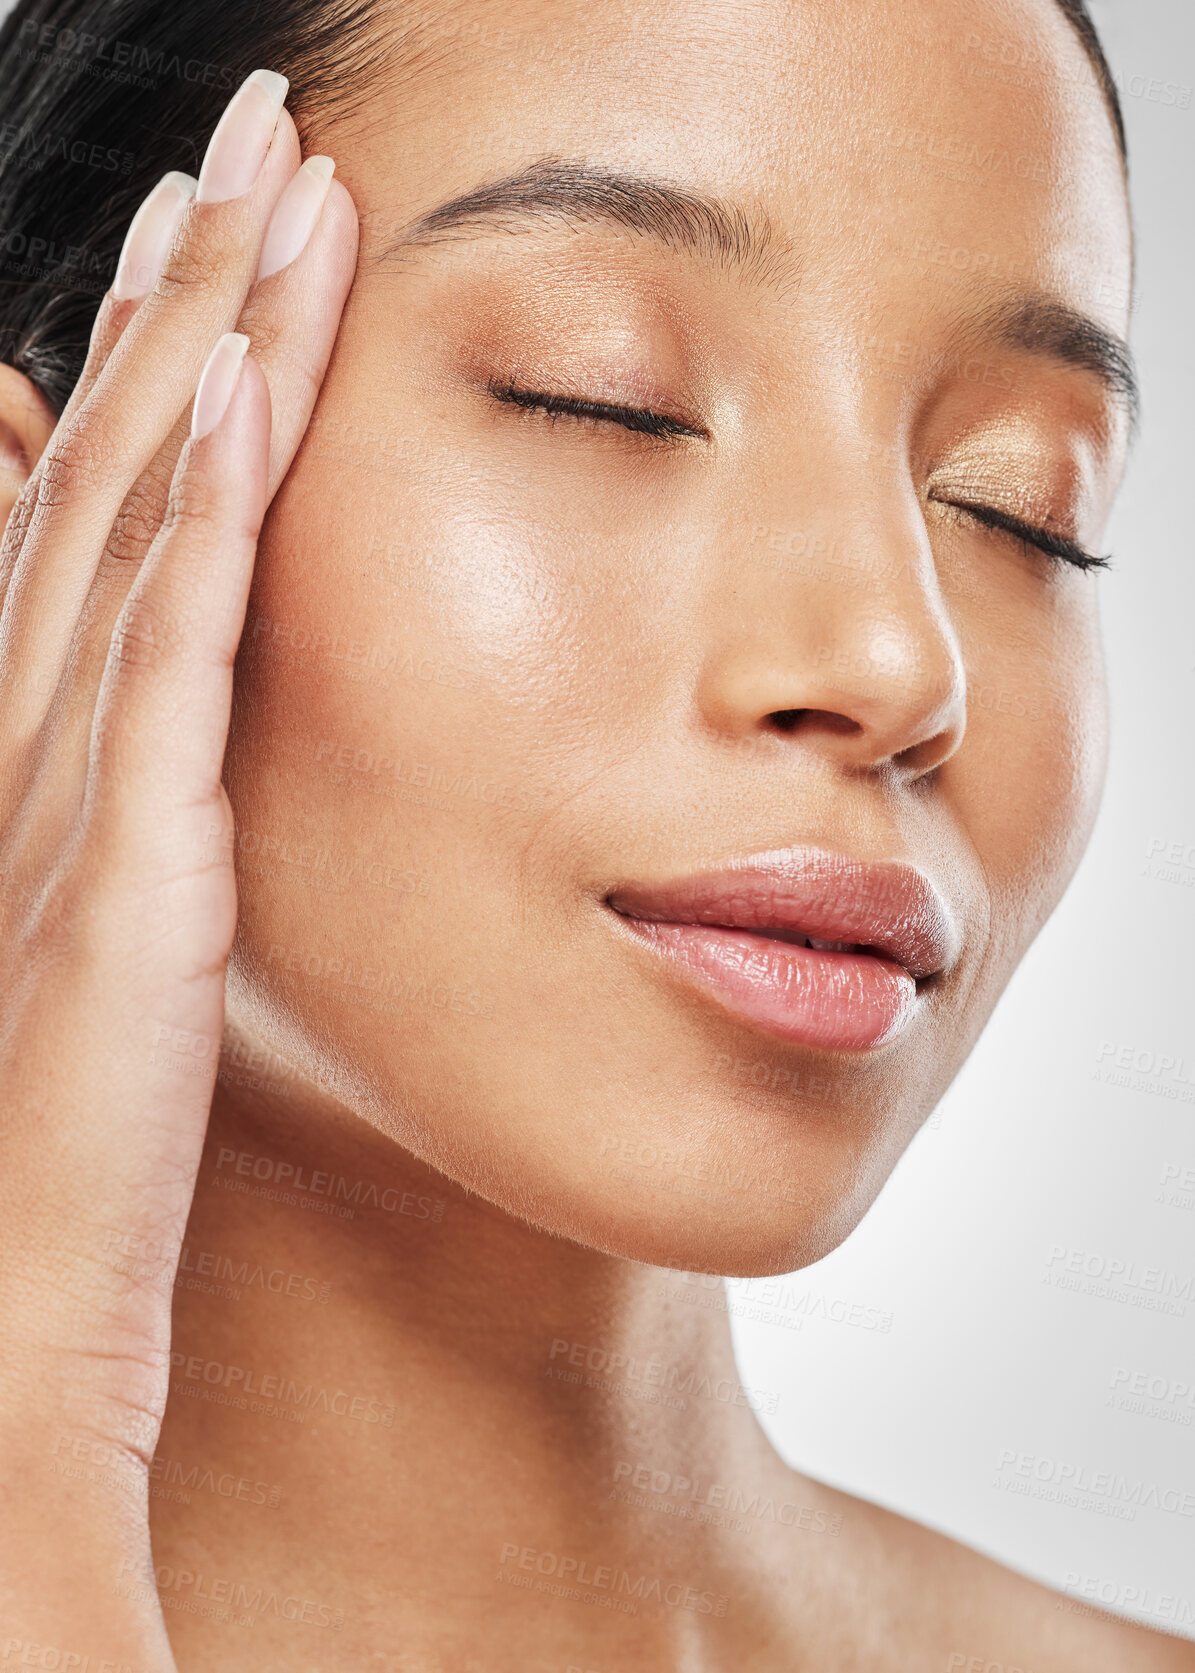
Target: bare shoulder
<point x="919" y="1599"/>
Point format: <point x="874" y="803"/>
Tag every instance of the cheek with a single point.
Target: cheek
<point x="376" y="660"/>
<point x="1029" y="776"/>
<point x="416" y="695"/>
<point x="447" y="603"/>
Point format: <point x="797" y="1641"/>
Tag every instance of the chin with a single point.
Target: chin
<point x="722" y="1235"/>
<point x="744" y="1185"/>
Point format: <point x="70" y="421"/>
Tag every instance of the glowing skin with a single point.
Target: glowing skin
<point x="529" y="659"/>
<point x="501" y="663"/>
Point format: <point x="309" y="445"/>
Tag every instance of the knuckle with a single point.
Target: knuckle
<point x="273" y="345"/>
<point x="192" y="513"/>
<point x="263" y="327"/>
<point x="138" y="520"/>
<point x="79" y="464"/>
<point x="196" y="265"/>
<point x="144" y="635"/>
<point x="194" y="504"/>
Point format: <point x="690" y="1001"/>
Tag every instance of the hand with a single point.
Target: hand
<point x="124" y="574"/>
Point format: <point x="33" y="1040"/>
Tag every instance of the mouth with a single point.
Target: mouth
<point x="805" y="946"/>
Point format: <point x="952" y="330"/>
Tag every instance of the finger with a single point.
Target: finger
<point x="146" y="249"/>
<point x="145" y="384"/>
<point x="291" y="323"/>
<point x="161" y="721"/>
<point x="291" y="320"/>
<point x="293" y="314"/>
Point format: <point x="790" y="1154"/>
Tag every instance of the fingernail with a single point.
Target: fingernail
<point x="238" y="147"/>
<point x="217" y="383"/>
<point x="295" y="215"/>
<point x="151" y="235"/>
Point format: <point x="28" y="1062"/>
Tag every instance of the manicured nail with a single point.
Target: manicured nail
<point x="295" y="215"/>
<point x="150" y="236"/>
<point x="238" y="147"/>
<point x="217" y="383"/>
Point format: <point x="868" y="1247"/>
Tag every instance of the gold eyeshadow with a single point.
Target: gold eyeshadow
<point x="1015" y="462"/>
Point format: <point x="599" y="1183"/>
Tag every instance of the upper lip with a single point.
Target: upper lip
<point x="884" y="907"/>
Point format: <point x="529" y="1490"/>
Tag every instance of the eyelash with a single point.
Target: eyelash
<point x="641" y="421"/>
<point x="1054" y="546"/>
<point x="637" y="419"/>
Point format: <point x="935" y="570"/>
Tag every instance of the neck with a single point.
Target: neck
<point x="436" y="1387"/>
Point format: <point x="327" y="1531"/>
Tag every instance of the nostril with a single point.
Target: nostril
<point x="785" y="720"/>
<point x="826" y="720"/>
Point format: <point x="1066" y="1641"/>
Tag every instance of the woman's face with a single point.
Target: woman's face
<point x="508" y="670"/>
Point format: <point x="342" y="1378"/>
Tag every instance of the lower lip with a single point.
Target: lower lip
<point x="810" y="997"/>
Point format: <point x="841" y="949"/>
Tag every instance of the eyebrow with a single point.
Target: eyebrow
<point x="1049" y="329"/>
<point x="574" y="192"/>
<point x="571" y="193"/>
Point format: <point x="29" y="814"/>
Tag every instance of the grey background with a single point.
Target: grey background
<point x="1032" y="1152"/>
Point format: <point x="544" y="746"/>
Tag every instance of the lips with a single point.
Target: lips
<point x="807" y="946"/>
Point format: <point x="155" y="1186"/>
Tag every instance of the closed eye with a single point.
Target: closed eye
<point x="643" y="421"/>
<point x="1053" y="545"/>
<point x="638" y="419"/>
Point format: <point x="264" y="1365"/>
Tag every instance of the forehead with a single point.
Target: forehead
<point x="969" y="135"/>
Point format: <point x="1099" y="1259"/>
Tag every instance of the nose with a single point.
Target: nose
<point x="829" y="626"/>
